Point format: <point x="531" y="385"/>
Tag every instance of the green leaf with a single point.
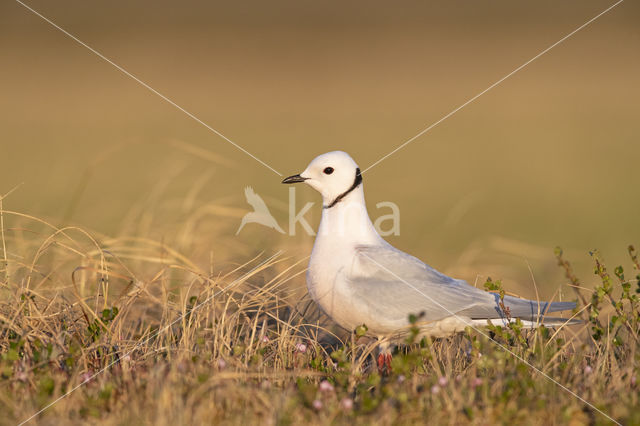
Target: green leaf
<point x="12" y="355"/>
<point x="361" y="330"/>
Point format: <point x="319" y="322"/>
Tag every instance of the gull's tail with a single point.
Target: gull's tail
<point x="532" y="309"/>
<point x="550" y="322"/>
<point x="532" y="313"/>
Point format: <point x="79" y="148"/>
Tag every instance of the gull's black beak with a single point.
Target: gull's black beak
<point x="294" y="179"/>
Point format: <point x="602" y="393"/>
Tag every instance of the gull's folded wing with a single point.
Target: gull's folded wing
<point x="380" y="274"/>
<point x="383" y="273"/>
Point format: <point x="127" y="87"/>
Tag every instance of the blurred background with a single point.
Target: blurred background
<point x="548" y="158"/>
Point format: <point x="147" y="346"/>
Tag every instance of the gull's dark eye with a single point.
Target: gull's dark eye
<point x="328" y="170"/>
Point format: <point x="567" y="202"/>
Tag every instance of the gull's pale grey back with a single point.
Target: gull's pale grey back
<point x="395" y="284"/>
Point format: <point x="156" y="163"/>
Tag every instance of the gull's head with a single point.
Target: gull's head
<point x="333" y="175"/>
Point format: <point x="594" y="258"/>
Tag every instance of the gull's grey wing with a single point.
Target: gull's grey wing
<point x="395" y="284"/>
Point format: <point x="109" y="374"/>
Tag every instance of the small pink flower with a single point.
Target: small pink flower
<point x="477" y="381"/>
<point x="435" y="389"/>
<point x="325" y="386"/>
<point x="442" y="381"/>
<point x="401" y="378"/>
<point x="265" y="339"/>
<point x="458" y="378"/>
<point x="346" y="404"/>
<point x="86" y="377"/>
<point x="588" y="370"/>
<point x="301" y="347"/>
<point x="221" y="363"/>
<point x="317" y="404"/>
<point x="22" y="376"/>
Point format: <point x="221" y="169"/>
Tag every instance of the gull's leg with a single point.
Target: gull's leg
<point x="384" y="359"/>
<point x="387" y="362"/>
<point x="381" y="362"/>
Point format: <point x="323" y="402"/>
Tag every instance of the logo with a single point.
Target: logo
<point x="262" y="215"/>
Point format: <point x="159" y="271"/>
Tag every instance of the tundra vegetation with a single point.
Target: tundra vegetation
<point x="133" y="331"/>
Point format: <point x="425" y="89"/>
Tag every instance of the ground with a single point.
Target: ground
<point x="131" y="331"/>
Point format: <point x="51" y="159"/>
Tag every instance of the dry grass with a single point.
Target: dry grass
<point x="162" y="338"/>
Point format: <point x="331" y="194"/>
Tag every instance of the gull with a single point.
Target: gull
<point x="357" y="278"/>
<point x="261" y="213"/>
